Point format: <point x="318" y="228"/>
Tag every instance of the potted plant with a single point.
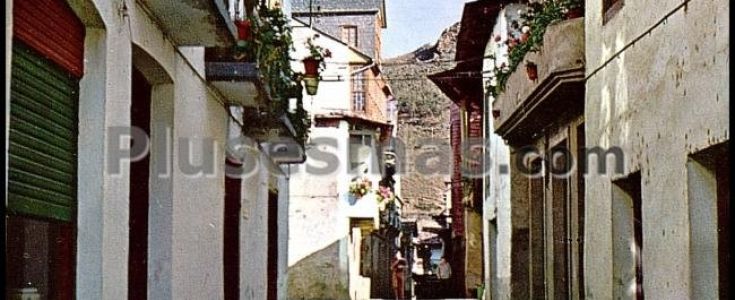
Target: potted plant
<point x="531" y="71"/>
<point x="315" y="61"/>
<point x="360" y="187"/>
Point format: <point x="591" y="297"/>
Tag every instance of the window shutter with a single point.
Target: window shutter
<point x="52" y="29"/>
<point x="42" y="169"/>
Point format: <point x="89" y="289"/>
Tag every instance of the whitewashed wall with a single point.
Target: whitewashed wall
<point x="662" y="99"/>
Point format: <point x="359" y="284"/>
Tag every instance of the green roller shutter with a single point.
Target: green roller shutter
<point x="42" y="171"/>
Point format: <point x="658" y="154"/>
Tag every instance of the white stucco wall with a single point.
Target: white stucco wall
<point x="102" y="207"/>
<point x="497" y="183"/>
<point x="314" y="201"/>
<point x="662" y="99"/>
<point x="320" y="205"/>
<point x="254" y="234"/>
<point x="186" y="211"/>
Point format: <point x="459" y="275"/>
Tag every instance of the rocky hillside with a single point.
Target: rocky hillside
<point x="424" y="113"/>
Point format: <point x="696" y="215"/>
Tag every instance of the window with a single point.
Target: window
<point x="349" y="35"/>
<point x="358" y="92"/>
<point x="610" y="8"/>
<point x="360" y="151"/>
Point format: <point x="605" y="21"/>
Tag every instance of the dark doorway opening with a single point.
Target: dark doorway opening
<point x="231" y="249"/>
<point x="272" y="245"/>
<point x="140" y="116"/>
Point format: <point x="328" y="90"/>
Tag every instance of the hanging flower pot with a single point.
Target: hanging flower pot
<point x="243" y="30"/>
<point x="311" y="66"/>
<point x="312" y="84"/>
<point x="531" y="71"/>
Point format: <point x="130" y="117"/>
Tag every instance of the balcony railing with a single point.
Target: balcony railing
<point x="526" y="105"/>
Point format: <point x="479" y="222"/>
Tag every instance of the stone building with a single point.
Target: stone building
<point x="92" y="215"/>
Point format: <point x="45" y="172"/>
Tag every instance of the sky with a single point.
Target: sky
<point x="412" y="23"/>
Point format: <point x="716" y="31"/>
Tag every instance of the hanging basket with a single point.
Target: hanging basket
<point x="311" y="66"/>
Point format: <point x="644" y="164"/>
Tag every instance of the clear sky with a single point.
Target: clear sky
<point x="412" y="23"/>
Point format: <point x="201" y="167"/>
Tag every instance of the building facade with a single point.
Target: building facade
<point x="350" y="143"/>
<point x="611" y="189"/>
<point x="661" y="224"/>
<point x="92" y="215"/>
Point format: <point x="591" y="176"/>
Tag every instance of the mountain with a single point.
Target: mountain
<point x="424" y="113"/>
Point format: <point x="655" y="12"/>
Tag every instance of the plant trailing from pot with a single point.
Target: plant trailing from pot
<point x="315" y="61"/>
<point x="530" y="31"/>
<point x="531" y="71"/>
<point x="269" y="45"/>
<point x="360" y="187"/>
<point x="299" y="117"/>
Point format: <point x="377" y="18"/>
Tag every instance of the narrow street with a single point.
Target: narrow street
<point x="367" y="149"/>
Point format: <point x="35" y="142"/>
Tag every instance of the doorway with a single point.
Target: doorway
<point x="140" y="117"/>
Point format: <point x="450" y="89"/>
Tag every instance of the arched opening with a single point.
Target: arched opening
<point x="149" y="226"/>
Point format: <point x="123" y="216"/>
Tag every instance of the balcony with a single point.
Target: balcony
<point x="236" y="79"/>
<point x="275" y="135"/>
<point x="526" y="107"/>
<point x="195" y="22"/>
